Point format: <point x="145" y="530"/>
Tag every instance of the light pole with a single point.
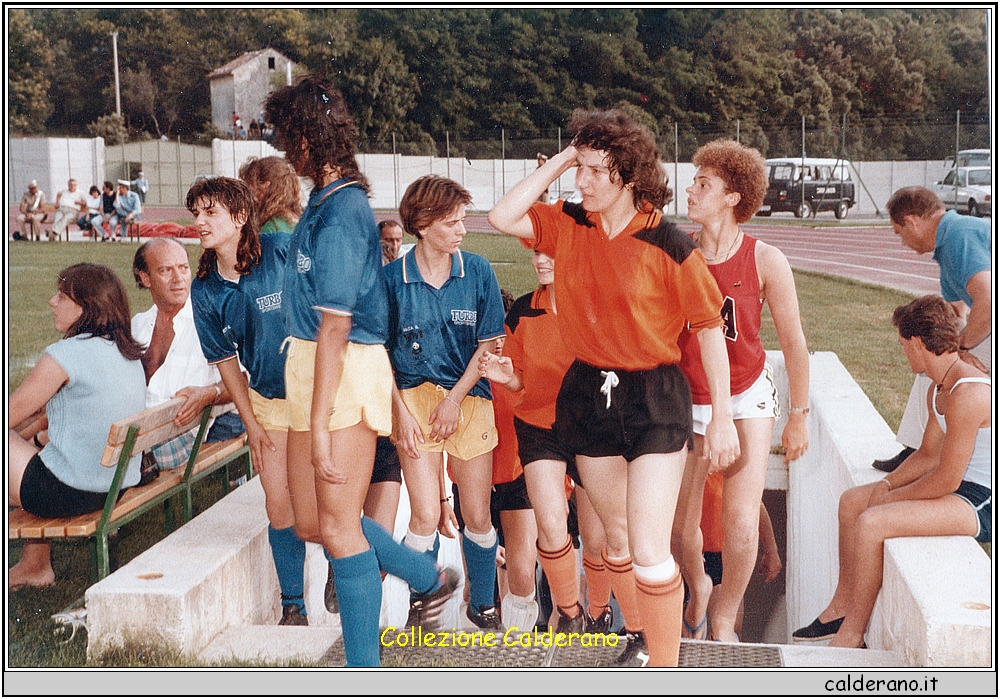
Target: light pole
<point x="118" y="96"/>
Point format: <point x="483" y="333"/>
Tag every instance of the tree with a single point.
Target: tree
<point x="29" y="63"/>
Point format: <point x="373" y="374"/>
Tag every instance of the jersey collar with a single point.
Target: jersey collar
<point x="318" y="197"/>
<point x="411" y="271"/>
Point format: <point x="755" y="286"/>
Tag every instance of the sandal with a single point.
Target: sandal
<point x="699" y="632"/>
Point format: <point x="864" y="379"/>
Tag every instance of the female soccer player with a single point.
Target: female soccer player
<point x="275" y="186"/>
<point x="728" y="188"/>
<point x="627" y="283"/>
<point x="445" y="311"/>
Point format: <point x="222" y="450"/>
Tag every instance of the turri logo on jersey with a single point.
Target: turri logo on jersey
<point x="270" y="302"/>
<point x="463" y="317"/>
<point x="303" y="263"/>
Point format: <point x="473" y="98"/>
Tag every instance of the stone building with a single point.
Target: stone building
<point x="243" y="84"/>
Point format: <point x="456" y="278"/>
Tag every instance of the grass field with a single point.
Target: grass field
<point x="848" y="318"/>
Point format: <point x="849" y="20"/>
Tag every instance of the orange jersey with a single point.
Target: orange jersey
<point x="711" y="513"/>
<point x="537" y="351"/>
<point x="623" y="301"/>
<point x="506" y="466"/>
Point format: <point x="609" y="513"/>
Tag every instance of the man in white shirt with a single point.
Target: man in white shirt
<point x="173" y="360"/>
<point x="70" y="203"/>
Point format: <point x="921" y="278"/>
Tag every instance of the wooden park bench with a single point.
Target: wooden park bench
<point x="127" y="437"/>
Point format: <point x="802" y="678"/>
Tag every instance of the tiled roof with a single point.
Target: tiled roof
<point x="236" y="63"/>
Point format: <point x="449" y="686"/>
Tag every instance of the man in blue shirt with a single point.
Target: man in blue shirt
<point x="128" y="208"/>
<point x="961" y="247"/>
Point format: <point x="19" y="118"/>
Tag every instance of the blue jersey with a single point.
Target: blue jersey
<point x="245" y="318"/>
<point x="435" y="332"/>
<point x="334" y="265"/>
<point x="962" y="249"/>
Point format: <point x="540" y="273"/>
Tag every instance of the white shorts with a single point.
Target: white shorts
<point x="760" y="400"/>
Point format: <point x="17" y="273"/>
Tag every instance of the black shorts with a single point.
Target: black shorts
<point x="650" y="412"/>
<point x="713" y="566"/>
<point x="44" y="495"/>
<point x="510" y="496"/>
<point x="981" y="499"/>
<point x="386" y="462"/>
<point x="536" y="443"/>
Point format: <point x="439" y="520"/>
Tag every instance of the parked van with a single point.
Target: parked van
<point x="974" y="157"/>
<point x="806" y="186"/>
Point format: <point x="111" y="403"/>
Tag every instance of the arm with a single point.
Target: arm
<point x="405" y="429"/>
<point x="501" y="371"/>
<point x="444" y="419"/>
<point x="199" y="398"/>
<point x="42" y="383"/>
<point x="778" y="289"/>
<point x="331" y="346"/>
<point x="977" y="327"/>
<point x="510" y="214"/>
<point x="722" y="445"/>
<point x="236" y="386"/>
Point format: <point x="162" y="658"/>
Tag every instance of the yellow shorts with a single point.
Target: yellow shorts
<point x="476" y="434"/>
<point x="365" y="392"/>
<point x="271" y="413"/>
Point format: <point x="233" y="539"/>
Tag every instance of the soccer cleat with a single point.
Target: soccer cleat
<point x="425" y="609"/>
<point x="486" y="618"/>
<point x="570" y="624"/>
<point x="601" y="624"/>
<point x="291" y="616"/>
<point x="635" y="654"/>
<point x="330" y="593"/>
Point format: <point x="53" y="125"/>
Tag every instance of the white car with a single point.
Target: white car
<point x="974" y="190"/>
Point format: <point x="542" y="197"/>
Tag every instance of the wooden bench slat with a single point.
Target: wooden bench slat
<point x="155" y="428"/>
<point x="148" y="419"/>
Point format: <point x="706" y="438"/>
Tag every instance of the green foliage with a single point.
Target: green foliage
<point x="30" y="60"/>
<point x="109" y="127"/>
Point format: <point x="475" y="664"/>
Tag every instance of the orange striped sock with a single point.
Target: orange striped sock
<point x="564" y="580"/>
<point x="598" y="586"/>
<point x="623" y="583"/>
<point x="661" y="605"/>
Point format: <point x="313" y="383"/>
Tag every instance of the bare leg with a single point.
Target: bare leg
<point x="687" y="542"/>
<point x="592" y="536"/>
<point x="606" y="487"/>
<point x="353" y="448"/>
<point x="741" y="499"/>
<point x="274" y="479"/>
<point x="519" y="533"/>
<point x="545" y="481"/>
<point x="382" y="503"/>
<point x="474" y="479"/>
<point x="34" y="569"/>
<point x="302" y="486"/>
<point x="424" y="490"/>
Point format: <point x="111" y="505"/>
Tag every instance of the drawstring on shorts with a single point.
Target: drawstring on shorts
<point x="610" y="381"/>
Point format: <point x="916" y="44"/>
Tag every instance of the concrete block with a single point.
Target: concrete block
<point x="270" y="645"/>
<point x="935" y="605"/>
<point x="822" y="656"/>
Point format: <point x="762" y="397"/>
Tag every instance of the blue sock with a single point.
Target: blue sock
<point x="359" y="591"/>
<point x="482" y="566"/>
<point x="289" y="553"/>
<point x="396" y="559"/>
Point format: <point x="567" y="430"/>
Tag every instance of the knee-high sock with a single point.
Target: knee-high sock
<point x="289" y="554"/>
<point x="661" y="605"/>
<point x="564" y="579"/>
<point x="598" y="585"/>
<point x="359" y="590"/>
<point x="623" y="584"/>
<point x="481" y="562"/>
<point x="402" y="561"/>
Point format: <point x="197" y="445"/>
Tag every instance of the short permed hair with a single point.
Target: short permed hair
<point x="741" y="168"/>
<point x="312" y="116"/>
<point x="282" y="197"/>
<point x="912" y="201"/>
<point x="633" y="157"/>
<point x="237" y="199"/>
<point x="933" y="320"/>
<point x="428" y="199"/>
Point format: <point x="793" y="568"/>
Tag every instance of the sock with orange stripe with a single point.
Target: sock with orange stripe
<point x="564" y="580"/>
<point x="598" y="586"/>
<point x="623" y="584"/>
<point x="660" y="593"/>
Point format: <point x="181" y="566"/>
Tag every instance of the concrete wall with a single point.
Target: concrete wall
<point x="223" y="96"/>
<point x="53" y="161"/>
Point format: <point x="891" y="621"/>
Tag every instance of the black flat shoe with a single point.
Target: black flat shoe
<point x="818" y="631"/>
<point x="890" y="465"/>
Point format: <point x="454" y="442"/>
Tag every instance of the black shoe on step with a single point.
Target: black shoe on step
<point x="486" y="618"/>
<point x="601" y="624"/>
<point x="330" y="593"/>
<point x="890" y="465"/>
<point x="291" y="616"/>
<point x="636" y="654"/>
<point x="425" y="609"/>
<point x="570" y="624"/>
<point x="818" y="631"/>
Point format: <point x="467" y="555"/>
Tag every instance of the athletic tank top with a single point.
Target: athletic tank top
<point x="979" y="469"/>
<point x="741" y="309"/>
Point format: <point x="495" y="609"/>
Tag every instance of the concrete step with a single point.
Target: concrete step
<point x="271" y="645"/>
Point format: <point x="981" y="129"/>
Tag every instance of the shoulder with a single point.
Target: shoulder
<point x="769" y="258"/>
<point x="522" y="308"/>
<point x="677" y="244"/>
<point x="475" y="263"/>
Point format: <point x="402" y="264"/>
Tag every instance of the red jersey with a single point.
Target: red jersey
<point x="537" y="351"/>
<point x="623" y="301"/>
<point x="741" y="310"/>
<point x="506" y="464"/>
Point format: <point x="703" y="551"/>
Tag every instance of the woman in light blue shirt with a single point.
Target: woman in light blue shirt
<point x="58" y="473"/>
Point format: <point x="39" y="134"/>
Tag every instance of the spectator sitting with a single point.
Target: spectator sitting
<point x="128" y="209"/>
<point x="141" y="185"/>
<point x="942" y="489"/>
<point x="107" y="207"/>
<point x="276" y="188"/>
<point x="91" y="220"/>
<point x="58" y="473"/>
<point x="31" y="213"/>
<point x="254" y="130"/>
<point x="173" y="361"/>
<point x="69" y="205"/>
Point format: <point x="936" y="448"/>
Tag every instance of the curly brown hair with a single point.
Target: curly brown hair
<point x="912" y="201"/>
<point x="428" y="199"/>
<point x="237" y="199"/>
<point x="276" y="187"/>
<point x="741" y="168"/>
<point x="314" y="128"/>
<point x="633" y="156"/>
<point x="933" y="320"/>
<point x="100" y="293"/>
